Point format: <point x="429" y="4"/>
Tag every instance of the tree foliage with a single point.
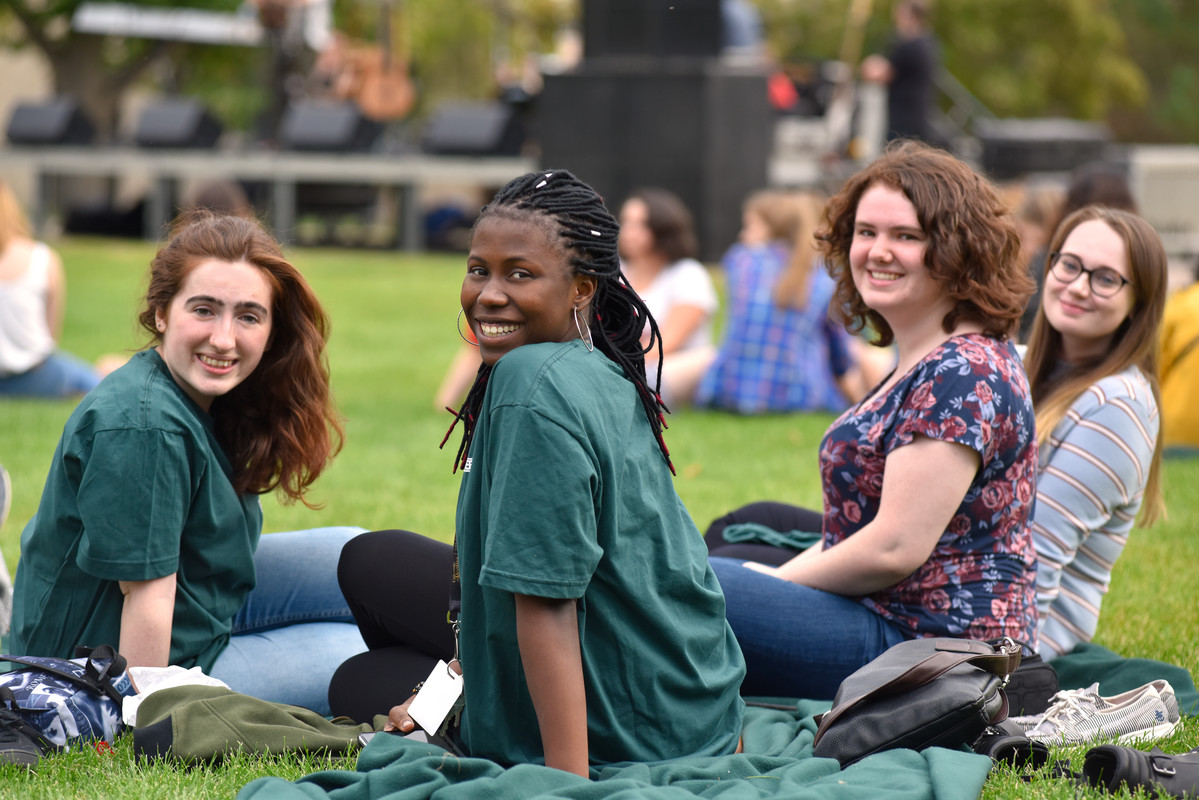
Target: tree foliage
<point x="1129" y="62"/>
<point x="1020" y="58"/>
<point x="96" y="70"/>
<point x="1163" y="35"/>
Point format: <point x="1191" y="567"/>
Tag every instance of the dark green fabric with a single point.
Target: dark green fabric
<point x="777" y="763"/>
<point x="568" y="496"/>
<point x="208" y="722"/>
<point x="1089" y="663"/>
<point x="755" y="532"/>
<point x="138" y="489"/>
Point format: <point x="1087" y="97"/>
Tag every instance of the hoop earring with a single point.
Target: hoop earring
<point x="587" y="340"/>
<point x="458" y="325"/>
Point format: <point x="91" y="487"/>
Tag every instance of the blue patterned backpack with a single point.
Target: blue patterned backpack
<point x="61" y="702"/>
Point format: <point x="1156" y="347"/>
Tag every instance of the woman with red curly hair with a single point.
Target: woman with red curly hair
<point x="148" y="532"/>
<point x="928" y="482"/>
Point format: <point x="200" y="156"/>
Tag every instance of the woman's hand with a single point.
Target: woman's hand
<point x="398" y="719"/>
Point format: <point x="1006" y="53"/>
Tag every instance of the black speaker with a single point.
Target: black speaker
<point x="330" y="127"/>
<point x="59" y="121"/>
<point x="1012" y="148"/>
<point x="178" y="123"/>
<point x="474" y="129"/>
<point x="656" y="28"/>
<point x="704" y="133"/>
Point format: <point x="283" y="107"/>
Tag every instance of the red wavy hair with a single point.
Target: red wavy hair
<point x="279" y="426"/>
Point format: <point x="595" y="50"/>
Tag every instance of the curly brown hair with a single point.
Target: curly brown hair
<point x="973" y="249"/>
<point x="279" y="426"/>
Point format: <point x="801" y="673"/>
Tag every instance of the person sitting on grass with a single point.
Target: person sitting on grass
<point x="782" y="351"/>
<point x="658" y="250"/>
<point x="929" y="481"/>
<point x="33" y="293"/>
<point x="147" y="536"/>
<point x="1092" y="366"/>
<point x="592" y="630"/>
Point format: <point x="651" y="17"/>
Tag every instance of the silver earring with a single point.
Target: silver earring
<point x="587" y="340"/>
<point x="458" y="325"/>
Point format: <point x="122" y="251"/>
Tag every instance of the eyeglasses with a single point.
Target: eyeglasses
<point x="1105" y="281"/>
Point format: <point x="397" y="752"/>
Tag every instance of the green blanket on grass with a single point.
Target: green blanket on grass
<point x="777" y="762"/>
<point x="1090" y="663"/>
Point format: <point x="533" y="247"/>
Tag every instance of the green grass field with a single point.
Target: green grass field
<point x="393" y="336"/>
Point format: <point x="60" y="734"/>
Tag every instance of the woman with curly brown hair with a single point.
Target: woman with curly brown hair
<point x="148" y="532"/>
<point x="928" y="482"/>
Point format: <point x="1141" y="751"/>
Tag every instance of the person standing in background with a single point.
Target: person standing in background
<point x="909" y="70"/>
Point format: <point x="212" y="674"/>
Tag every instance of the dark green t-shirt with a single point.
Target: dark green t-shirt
<point x="138" y="489"/>
<point x="568" y="496"/>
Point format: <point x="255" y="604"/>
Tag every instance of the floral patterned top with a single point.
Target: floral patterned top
<point x="980" y="581"/>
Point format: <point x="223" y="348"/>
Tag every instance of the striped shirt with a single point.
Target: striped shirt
<point x="1090" y="484"/>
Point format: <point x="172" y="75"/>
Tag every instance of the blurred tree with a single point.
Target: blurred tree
<point x="1020" y="58"/>
<point x="1162" y="34"/>
<point x="1049" y="58"/>
<point x="95" y="70"/>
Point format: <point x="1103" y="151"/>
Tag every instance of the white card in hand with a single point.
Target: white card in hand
<point x="436" y="698"/>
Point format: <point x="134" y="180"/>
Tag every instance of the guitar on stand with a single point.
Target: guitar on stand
<point x="383" y="89"/>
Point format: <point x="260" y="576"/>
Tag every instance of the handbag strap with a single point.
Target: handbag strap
<point x="999" y="660"/>
<point x="93" y="679"/>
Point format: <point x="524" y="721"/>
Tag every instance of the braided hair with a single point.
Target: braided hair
<point x="575" y="213"/>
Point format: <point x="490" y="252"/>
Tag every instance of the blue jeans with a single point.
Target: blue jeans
<point x="295" y="628"/>
<point x="60" y="375"/>
<point x="798" y="641"/>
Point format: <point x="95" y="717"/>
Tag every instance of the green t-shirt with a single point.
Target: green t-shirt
<point x="138" y="489"/>
<point x="567" y="496"/>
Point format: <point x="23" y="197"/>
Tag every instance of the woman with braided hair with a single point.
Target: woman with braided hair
<point x="577" y="647"/>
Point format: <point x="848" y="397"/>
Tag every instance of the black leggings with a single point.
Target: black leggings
<point x="776" y="516"/>
<point x="397" y="585"/>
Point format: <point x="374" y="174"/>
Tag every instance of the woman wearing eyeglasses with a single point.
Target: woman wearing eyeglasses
<point x="1092" y="364"/>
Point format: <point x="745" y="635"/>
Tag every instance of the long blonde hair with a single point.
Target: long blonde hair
<point x="1136" y="341"/>
<point x="12" y="220"/>
<point x="790" y="217"/>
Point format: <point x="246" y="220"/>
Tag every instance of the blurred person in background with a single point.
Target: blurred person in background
<point x="33" y="289"/>
<point x="1180" y="370"/>
<point x="658" y="250"/>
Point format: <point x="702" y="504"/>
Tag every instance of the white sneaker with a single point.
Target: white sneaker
<point x="1077" y="716"/>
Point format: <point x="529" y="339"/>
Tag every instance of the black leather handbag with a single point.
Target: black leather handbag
<point x="936" y="692"/>
<point x="1032" y="686"/>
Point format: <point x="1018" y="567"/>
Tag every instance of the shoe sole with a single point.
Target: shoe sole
<point x="1149" y="734"/>
<point x="1144" y="735"/>
<point x="27" y="760"/>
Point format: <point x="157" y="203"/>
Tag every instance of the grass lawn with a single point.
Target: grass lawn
<point x="393" y="336"/>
